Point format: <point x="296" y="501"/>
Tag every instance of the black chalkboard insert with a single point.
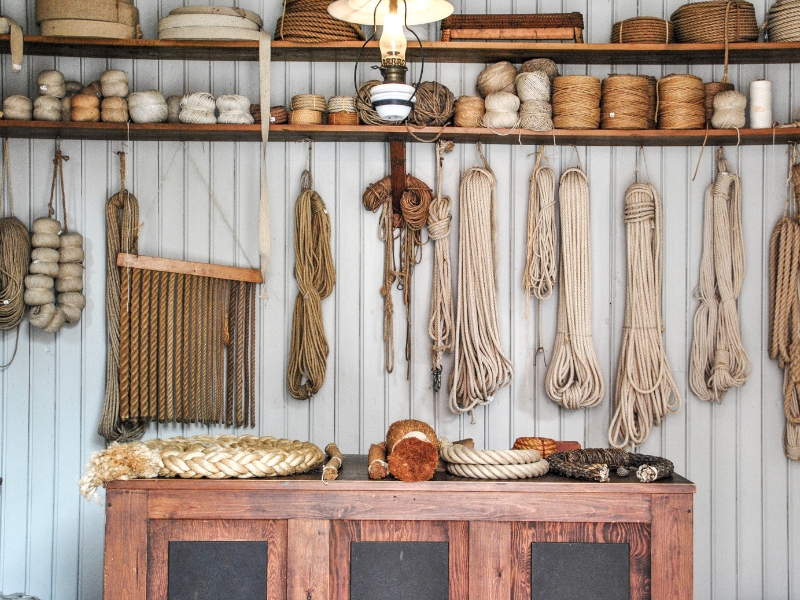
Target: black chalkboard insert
<point x="399" y="571"/>
<point x="580" y="571"/>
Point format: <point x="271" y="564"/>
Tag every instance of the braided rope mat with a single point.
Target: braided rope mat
<point x="491" y="464"/>
<point x="594" y="464"/>
<point x="212" y="457"/>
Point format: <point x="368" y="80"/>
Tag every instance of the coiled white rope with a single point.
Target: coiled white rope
<point x="234" y="109"/>
<point x="541" y="268"/>
<point x="147" y="107"/>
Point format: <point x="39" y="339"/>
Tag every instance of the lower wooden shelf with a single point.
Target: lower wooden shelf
<point x="377" y="133"/>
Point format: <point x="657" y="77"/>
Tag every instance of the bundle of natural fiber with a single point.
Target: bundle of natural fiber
<point x="715" y="22"/>
<point x="544" y="446"/>
<point x="210" y="22"/>
<point x="412" y="448"/>
<point x="643" y="30"/>
<point x="435" y="105"/>
<point x="469" y="111"/>
<point x="308" y="21"/>
<point x="492" y="464"/>
<point x="593" y="464"/>
<point x="202" y="456"/>
<point x="99" y="18"/>
<point x="15" y="251"/>
<point x="783" y="21"/>
<point x="497" y="77"/>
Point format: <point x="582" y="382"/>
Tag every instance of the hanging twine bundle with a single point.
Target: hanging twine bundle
<point x="574" y="379"/>
<point x="85" y="108"/>
<point x="711" y="90"/>
<point x="625" y="103"/>
<point x="501" y="111"/>
<point x="718" y="359"/>
<point x="47" y="108"/>
<point x="729" y="110"/>
<point x="174" y="109"/>
<point x="114" y="84"/>
<point x="576" y="102"/>
<point x="541" y="262"/>
<point x="114" y="110"/>
<point x="435" y="105"/>
<point x="541" y="64"/>
<point x="51" y="83"/>
<point x="15" y="251"/>
<point x="308" y="21"/>
<point x="469" y="111"/>
<point x="783" y="21"/>
<point x="715" y="22"/>
<point x="148" y="107"/>
<point x="198" y="109"/>
<point x="497" y="77"/>
<point x="642" y="30"/>
<point x="481" y="367"/>
<point x="645" y="391"/>
<point x="681" y="102"/>
<point x="69" y="283"/>
<point x="366" y="113"/>
<point x="234" y="109"/>
<point x="316" y="276"/>
<point x="18" y="108"/>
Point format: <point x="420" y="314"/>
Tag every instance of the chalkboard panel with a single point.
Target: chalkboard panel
<point x="580" y="571"/>
<point x="399" y="571"/>
<point x="214" y="570"/>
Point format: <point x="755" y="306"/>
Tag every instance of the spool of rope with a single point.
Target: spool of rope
<point x="576" y="102"/>
<point x="234" y="109"/>
<point x="47" y="108"/>
<point x="642" y="30"/>
<point x="536" y="115"/>
<point x="15" y="251"/>
<point x="69" y="282"/>
<point x="73" y="87"/>
<point x="93" y="89"/>
<point x="501" y="111"/>
<point x="435" y="105"/>
<point x="366" y="114"/>
<point x="718" y="358"/>
<point x="66" y="108"/>
<point x="625" y="103"/>
<point x="541" y="64"/>
<point x="534" y="85"/>
<point x="308" y="21"/>
<point x="85" y="108"/>
<point x="729" y="110"/>
<point x="174" y="109"/>
<point x="652" y="99"/>
<point x="114" y="84"/>
<point x="761" y="104"/>
<point x="342" y="111"/>
<point x="491" y="464"/>
<point x="711" y="90"/>
<point x="497" y="77"/>
<point x="645" y="391"/>
<point x="309" y="102"/>
<point x="574" y="379"/>
<point x="305" y="116"/>
<point x="481" y="367"/>
<point x="681" y="102"/>
<point x="114" y="110"/>
<point x="783" y="21"/>
<point x="147" y="107"/>
<point x="198" y="109"/>
<point x="469" y="111"/>
<point x="51" y="83"/>
<point x="18" y="108"/>
<point x="708" y="22"/>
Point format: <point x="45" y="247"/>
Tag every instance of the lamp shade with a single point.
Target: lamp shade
<point x="363" y="11"/>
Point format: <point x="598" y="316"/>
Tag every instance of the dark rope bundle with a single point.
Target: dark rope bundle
<point x="593" y="464"/>
<point x="435" y="105"/>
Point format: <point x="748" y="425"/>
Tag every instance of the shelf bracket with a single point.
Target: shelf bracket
<point x="397" y="155"/>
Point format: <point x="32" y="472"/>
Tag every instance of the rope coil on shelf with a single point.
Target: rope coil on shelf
<point x="491" y="464"/>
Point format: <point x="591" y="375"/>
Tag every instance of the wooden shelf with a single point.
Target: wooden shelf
<point x="364" y="133"/>
<point x="435" y="52"/>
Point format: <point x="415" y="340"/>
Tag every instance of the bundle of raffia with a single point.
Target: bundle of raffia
<point x="308" y="21"/>
<point x="642" y="30"/>
<point x="715" y="22"/>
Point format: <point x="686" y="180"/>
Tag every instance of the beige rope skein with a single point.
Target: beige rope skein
<point x="718" y="359"/>
<point x="645" y="391"/>
<point x="574" y="379"/>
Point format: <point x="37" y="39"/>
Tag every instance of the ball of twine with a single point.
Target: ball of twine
<point x="93" y="89"/>
<point x="469" y="111"/>
<point x="234" y="109"/>
<point x="308" y="102"/>
<point x="198" y="109"/>
<point x="681" y="102"/>
<point x="51" y="83"/>
<point x="46" y="225"/>
<point x="147" y="107"/>
<point x="534" y="85"/>
<point x="501" y="111"/>
<point x="625" y="103"/>
<point x="435" y="105"/>
<point x="711" y="90"/>
<point x="66" y="108"/>
<point x="174" y="109"/>
<point x="114" y="84"/>
<point x="73" y="87"/>
<point x="729" y="110"/>
<point x="536" y="115"/>
<point x="576" y="102"/>
<point x="498" y="77"/>
<point x="366" y="113"/>
<point x="114" y="110"/>
<point x="47" y="108"/>
<point x="305" y="116"/>
<point x="18" y="108"/>
<point x="541" y="64"/>
<point x="339" y="104"/>
<point x="85" y="108"/>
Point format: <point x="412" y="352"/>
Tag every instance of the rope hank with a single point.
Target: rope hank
<point x="316" y="276"/>
<point x="202" y="456"/>
<point x="594" y="464"/>
<point x="491" y="464"/>
<point x="718" y="359"/>
<point x="574" y="379"/>
<point x="541" y="265"/>
<point x="645" y="391"/>
<point x="481" y="367"/>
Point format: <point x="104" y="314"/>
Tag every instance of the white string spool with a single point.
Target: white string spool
<point x="198" y="109"/>
<point x="51" y="83"/>
<point x="114" y="84"/>
<point x="234" y="109"/>
<point x="533" y="86"/>
<point x="147" y="107"/>
<point x="761" y="104"/>
<point x="501" y="111"/>
<point x="729" y="110"/>
<point x="47" y="108"/>
<point x="114" y="110"/>
<point x="174" y="109"/>
<point x="18" y="108"/>
<point x="536" y="115"/>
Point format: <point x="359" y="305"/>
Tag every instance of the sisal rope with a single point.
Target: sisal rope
<point x="783" y="21"/>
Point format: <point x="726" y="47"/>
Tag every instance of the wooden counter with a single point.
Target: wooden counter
<point x="309" y="527"/>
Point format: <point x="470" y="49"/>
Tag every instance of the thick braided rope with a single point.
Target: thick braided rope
<point x="491" y="464"/>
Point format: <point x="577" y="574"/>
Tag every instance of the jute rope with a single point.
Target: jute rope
<point x="783" y="21"/>
<point x="718" y="359"/>
<point x="331" y="469"/>
<point x="435" y="105"/>
<point x="574" y="379"/>
<point x="645" y="391"/>
<point x="681" y="102"/>
<point x="625" y="103"/>
<point x="491" y="464"/>
<point x="316" y="276"/>
<point x="469" y="111"/>
<point x="715" y="21"/>
<point x="309" y="21"/>
<point x="481" y="367"/>
<point x="576" y="102"/>
<point x="642" y="30"/>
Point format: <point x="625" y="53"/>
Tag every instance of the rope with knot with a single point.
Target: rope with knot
<point x="491" y="464"/>
<point x="718" y="358"/>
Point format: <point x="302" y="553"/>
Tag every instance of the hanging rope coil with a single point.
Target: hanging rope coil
<point x="718" y="359"/>
<point x="541" y="264"/>
<point x="574" y="379"/>
<point x="481" y="367"/>
<point x="645" y="391"/>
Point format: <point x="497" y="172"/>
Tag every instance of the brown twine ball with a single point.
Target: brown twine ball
<point x="712" y="89"/>
<point x="366" y="113"/>
<point x="498" y="77"/>
<point x="469" y="111"/>
<point x="85" y="108"/>
<point x="93" y="89"/>
<point x="305" y="116"/>
<point x="576" y="102"/>
<point x="114" y="110"/>
<point x="681" y="102"/>
<point x="625" y="103"/>
<point x="435" y="105"/>
<point x="541" y="64"/>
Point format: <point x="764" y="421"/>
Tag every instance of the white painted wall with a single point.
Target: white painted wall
<point x="747" y="524"/>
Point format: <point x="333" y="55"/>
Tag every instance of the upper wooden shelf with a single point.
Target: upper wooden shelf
<point x="363" y="133"/>
<point x="436" y="52"/>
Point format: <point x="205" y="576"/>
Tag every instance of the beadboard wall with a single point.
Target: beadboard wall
<point x="747" y="520"/>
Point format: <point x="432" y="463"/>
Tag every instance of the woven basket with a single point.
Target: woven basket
<point x="704" y="22"/>
<point x="643" y="30"/>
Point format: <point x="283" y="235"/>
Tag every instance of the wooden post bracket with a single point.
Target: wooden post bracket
<point x="397" y="155"/>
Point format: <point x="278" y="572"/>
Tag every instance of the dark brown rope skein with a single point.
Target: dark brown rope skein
<point x="435" y="105"/>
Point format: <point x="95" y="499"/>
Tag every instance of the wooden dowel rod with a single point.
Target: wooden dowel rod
<point x="183" y="267"/>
